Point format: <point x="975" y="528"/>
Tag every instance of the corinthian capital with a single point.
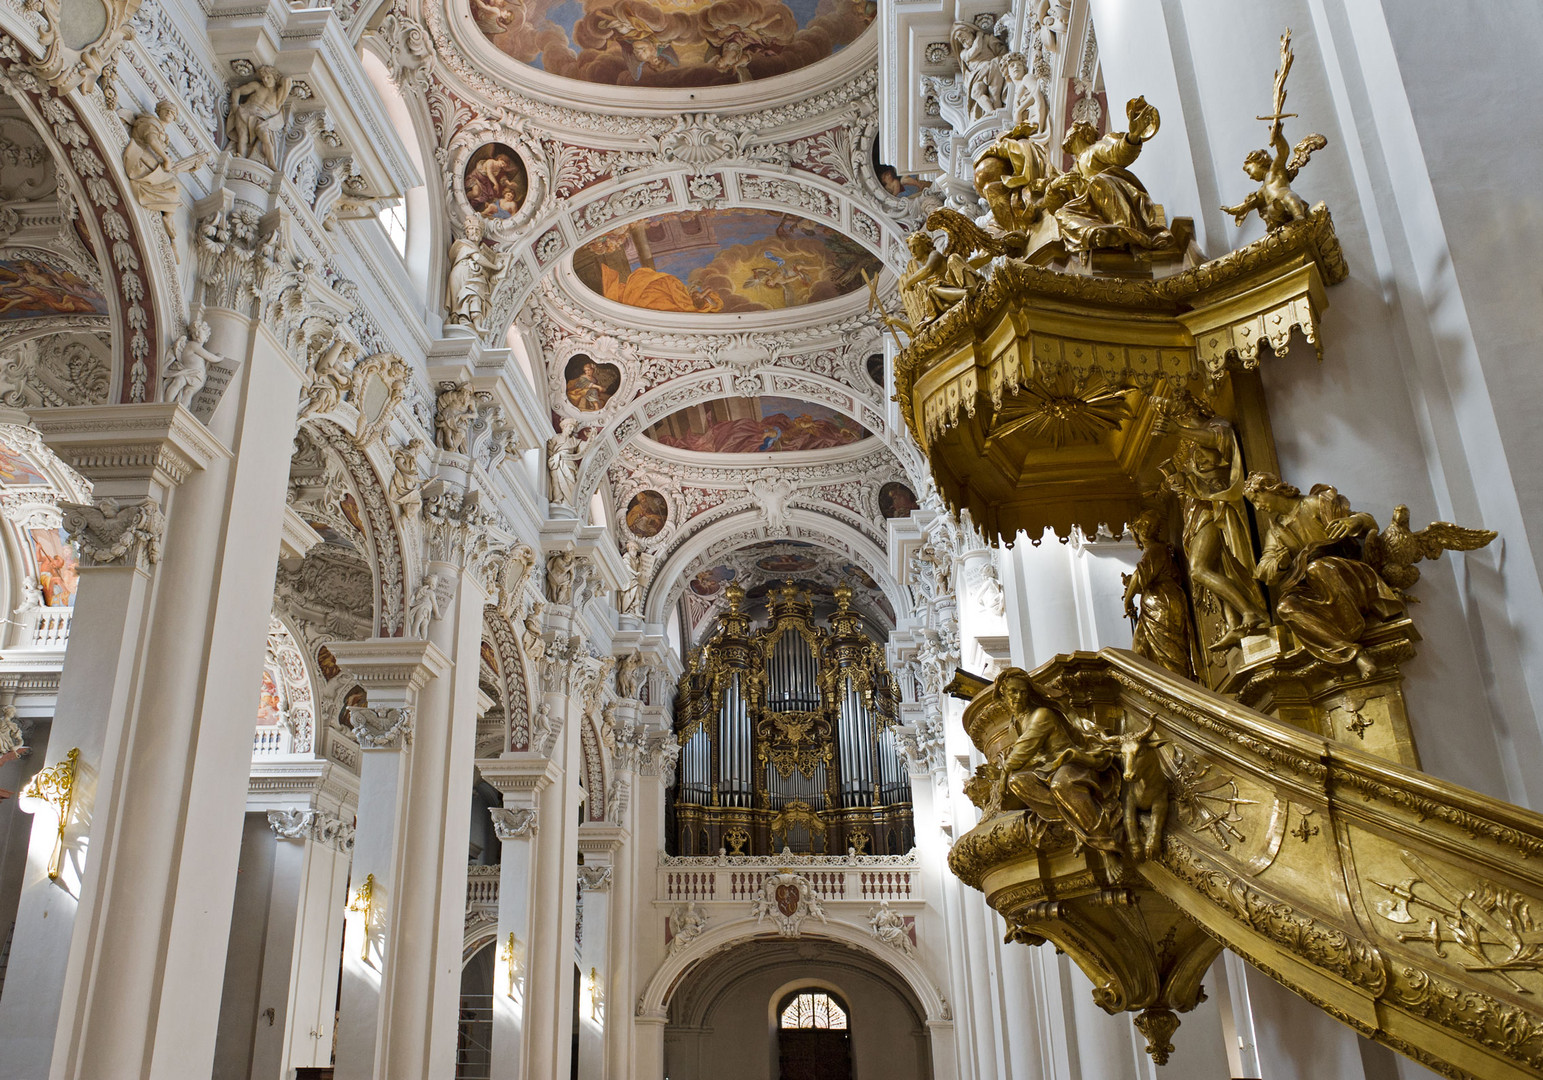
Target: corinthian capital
<point x="511" y="823"/>
<point x="382" y="729"/>
<point x="113" y="535"/>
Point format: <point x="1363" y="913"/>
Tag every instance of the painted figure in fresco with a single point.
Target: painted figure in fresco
<point x="782" y="275"/>
<point x="742" y="30"/>
<point x="496" y="182"/>
<point x="256" y="108"/>
<point x="28" y="287"/>
<point x="589" y="390"/>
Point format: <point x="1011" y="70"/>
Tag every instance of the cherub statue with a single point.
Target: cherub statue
<point x="474" y="270"/>
<point x="188" y="369"/>
<point x="1326" y="591"/>
<point x="254" y="109"/>
<point x="152" y="169"/>
<point x="1100" y="205"/>
<point x="1274" y="200"/>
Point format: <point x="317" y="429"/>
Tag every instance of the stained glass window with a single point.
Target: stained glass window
<point x="814" y="1009"/>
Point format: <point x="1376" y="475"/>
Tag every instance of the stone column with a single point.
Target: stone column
<point x="637" y="1042"/>
<point x="521" y="778"/>
<point x="393" y="672"/>
<point x="568" y="670"/>
<point x="424" y="989"/>
<point x="96" y="943"/>
<point x="281" y="971"/>
<point x="598" y="844"/>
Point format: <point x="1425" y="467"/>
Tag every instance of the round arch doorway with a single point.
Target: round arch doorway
<point x="725" y="1014"/>
<point x="813" y="1039"/>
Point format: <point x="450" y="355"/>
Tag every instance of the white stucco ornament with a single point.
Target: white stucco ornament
<point x="787" y="899"/>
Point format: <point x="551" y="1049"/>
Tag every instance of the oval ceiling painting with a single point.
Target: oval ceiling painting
<point x="756" y="426"/>
<point x="671" y="42"/>
<point x="723" y="260"/>
<point x="647" y="513"/>
<point x="495" y="181"/>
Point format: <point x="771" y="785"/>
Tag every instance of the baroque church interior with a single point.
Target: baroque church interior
<point x="772" y="539"/>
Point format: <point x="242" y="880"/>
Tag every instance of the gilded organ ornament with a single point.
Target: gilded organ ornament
<point x="787" y="735"/>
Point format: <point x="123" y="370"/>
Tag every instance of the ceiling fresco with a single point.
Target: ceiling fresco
<point x="757" y="567"/>
<point x="30" y="287"/>
<point x="723" y="261"/>
<point x="671" y="42"/>
<point x="756" y="425"/>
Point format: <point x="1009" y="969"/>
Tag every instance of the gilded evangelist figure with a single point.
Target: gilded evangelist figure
<point x="1100" y="204"/>
<point x="1055" y="769"/>
<point x="1162" y="625"/>
<point x="1312" y="556"/>
<point x="1206" y="473"/>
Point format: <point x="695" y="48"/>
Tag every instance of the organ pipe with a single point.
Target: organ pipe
<point x="787" y="736"/>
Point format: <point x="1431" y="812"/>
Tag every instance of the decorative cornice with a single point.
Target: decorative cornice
<point x="157" y="444"/>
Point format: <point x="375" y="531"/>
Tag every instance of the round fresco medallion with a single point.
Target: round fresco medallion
<point x="647" y="513"/>
<point x="590" y="383"/>
<point x="495" y="181"/>
<point x="896" y="500"/>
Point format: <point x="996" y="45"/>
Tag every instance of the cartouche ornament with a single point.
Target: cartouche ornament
<point x="1274" y="201"/>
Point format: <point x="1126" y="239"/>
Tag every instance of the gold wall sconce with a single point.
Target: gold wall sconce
<point x="364" y="903"/>
<point x="52" y="789"/>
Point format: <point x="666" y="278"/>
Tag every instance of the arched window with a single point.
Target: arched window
<point x="813" y="1009"/>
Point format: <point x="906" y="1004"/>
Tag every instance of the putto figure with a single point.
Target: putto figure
<point x="1274" y="200"/>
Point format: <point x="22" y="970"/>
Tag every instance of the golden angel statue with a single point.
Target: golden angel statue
<point x="1274" y="201"/>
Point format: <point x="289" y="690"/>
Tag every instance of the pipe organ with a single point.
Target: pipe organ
<point x="787" y="737"/>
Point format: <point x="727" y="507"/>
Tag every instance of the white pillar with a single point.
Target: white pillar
<point x="125" y="952"/>
<point x="281" y="974"/>
<point x="521" y="778"/>
<point x="598" y="844"/>
<point x="393" y="672"/>
<point x="425" y="990"/>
